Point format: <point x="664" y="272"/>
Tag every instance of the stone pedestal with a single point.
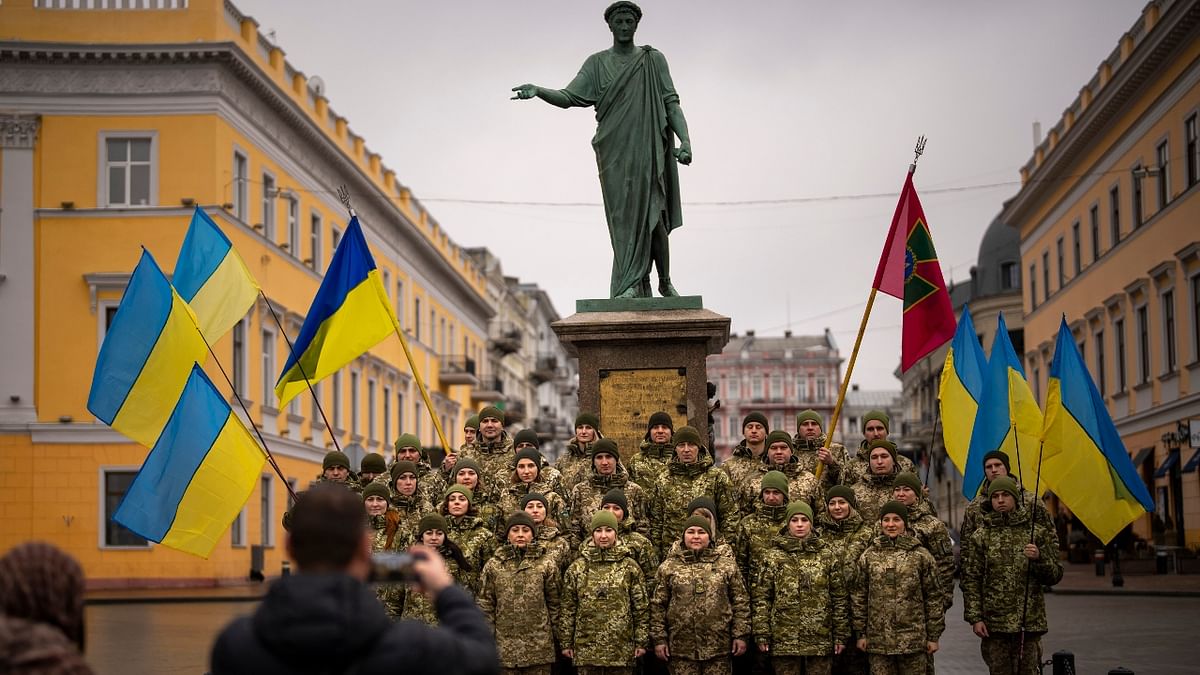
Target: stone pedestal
<point x="640" y="356"/>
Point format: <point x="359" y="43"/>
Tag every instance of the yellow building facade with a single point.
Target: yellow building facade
<point x="1109" y="221"/>
<point x="114" y="123"/>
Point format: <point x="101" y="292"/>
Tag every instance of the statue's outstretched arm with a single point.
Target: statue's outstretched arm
<point x="554" y="97"/>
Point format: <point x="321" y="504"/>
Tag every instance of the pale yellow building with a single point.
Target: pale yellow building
<point x="113" y="124"/>
<point x="1109" y="222"/>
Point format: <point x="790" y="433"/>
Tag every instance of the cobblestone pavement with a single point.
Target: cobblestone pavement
<point x="1144" y="634"/>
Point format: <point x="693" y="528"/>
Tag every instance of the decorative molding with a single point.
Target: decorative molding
<point x="1137" y="287"/>
<point x="1163" y="273"/>
<point x="104" y="281"/>
<point x="1189" y="254"/>
<point x="19" y="131"/>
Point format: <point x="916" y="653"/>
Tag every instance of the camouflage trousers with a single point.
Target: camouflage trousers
<point x="543" y="669"/>
<point x="1001" y="652"/>
<point x="852" y="661"/>
<point x="898" y="664"/>
<point x="722" y="665"/>
<point x="605" y="670"/>
<point x="802" y="665"/>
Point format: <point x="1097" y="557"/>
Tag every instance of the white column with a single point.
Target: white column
<point x="17" y="136"/>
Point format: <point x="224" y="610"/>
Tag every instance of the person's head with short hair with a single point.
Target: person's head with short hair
<point x="773" y="489"/>
<point x="335" y="466"/>
<point x="328" y="533"/>
<point x="404" y="478"/>
<point x="471" y="429"/>
<point x="457" y="501"/>
<point x="605" y="457"/>
<point x="491" y="423"/>
<point x="587" y="427"/>
<point x="1004" y="494"/>
<point x="809" y="425"/>
<point x="697" y="533"/>
<point x="41" y="583"/>
<point x="537" y="506"/>
<point x="906" y="489"/>
<point x="615" y="502"/>
<point x="526" y="438"/>
<point x="604" y="529"/>
<point x="408" y="447"/>
<point x="687" y="445"/>
<point x="893" y="519"/>
<point x="875" y="425"/>
<point x="798" y="520"/>
<point x="755" y="428"/>
<point x="840" y="502"/>
<point x="375" y="498"/>
<point x="779" y="448"/>
<point x="623" y="18"/>
<point x="520" y="529"/>
<point x="659" y="428"/>
<point x="995" y="465"/>
<point x="881" y="457"/>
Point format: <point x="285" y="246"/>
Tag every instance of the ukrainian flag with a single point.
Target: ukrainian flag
<point x="960" y="390"/>
<point x="212" y="278"/>
<point x="350" y="314"/>
<point x="146" y="357"/>
<point x="1085" y="460"/>
<point x="197" y="477"/>
<point x="1008" y="418"/>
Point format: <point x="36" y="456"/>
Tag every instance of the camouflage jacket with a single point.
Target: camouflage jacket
<point x="495" y="457"/>
<point x="683" y="483"/>
<point x="477" y="542"/>
<point x="574" y="466"/>
<point x="649" y="465"/>
<point x="510" y="501"/>
<point x="700" y="605"/>
<point x="754" y="536"/>
<point x="418" y="607"/>
<point x="430" y="482"/>
<point x="558" y="545"/>
<point x="391" y="595"/>
<point x="587" y="495"/>
<point x="997" y="577"/>
<point x="605" y="611"/>
<point x="801" y="605"/>
<point x="741" y="465"/>
<point x="518" y="593"/>
<point x="859" y="468"/>
<point x="872" y="492"/>
<point x="973" y="515"/>
<point x="897" y="602"/>
<point x="408" y="514"/>
<point x="806" y="454"/>
<point x="803" y="486"/>
<point x="848" y="538"/>
<point x="935" y="537"/>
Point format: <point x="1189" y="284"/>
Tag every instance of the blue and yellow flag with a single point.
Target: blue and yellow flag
<point x="212" y="278"/>
<point x="198" y="475"/>
<point x="1085" y="460"/>
<point x="146" y="357"/>
<point x="350" y="314"/>
<point x="960" y="390"/>
<point x="1008" y="419"/>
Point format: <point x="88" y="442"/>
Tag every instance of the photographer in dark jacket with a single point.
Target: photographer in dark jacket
<point x="326" y="619"/>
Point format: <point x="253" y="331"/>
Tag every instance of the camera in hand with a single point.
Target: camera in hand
<point x="389" y="567"/>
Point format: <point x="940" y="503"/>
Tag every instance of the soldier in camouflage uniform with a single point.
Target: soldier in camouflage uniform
<point x="484" y="500"/>
<point x="432" y="482"/>
<point x="810" y="448"/>
<point x="604" y="622"/>
<point x="803" y="486"/>
<point x="527" y="477"/>
<point x="801" y="614"/>
<point x="874" y="490"/>
<point x="690" y="474"/>
<point x="874" y="428"/>
<point x="518" y="593"/>
<point x="700" y="612"/>
<point x="431" y="531"/>
<point x="464" y="528"/>
<point x="754" y="533"/>
<point x="557" y="544"/>
<point x="407" y="503"/>
<point x="470" y="432"/>
<point x="607" y="472"/>
<point x="704" y="507"/>
<point x="379" y="518"/>
<point x="747" y="455"/>
<point x="335" y="468"/>
<point x="931" y="532"/>
<point x="547" y="475"/>
<point x="897" y="599"/>
<point x="493" y="449"/>
<point x="843" y="530"/>
<point x="1002" y="580"/>
<point x="649" y="466"/>
<point x="995" y="465"/>
<point x="640" y="548"/>
<point x="575" y="464"/>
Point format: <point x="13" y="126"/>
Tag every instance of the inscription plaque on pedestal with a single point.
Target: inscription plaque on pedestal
<point x="629" y="397"/>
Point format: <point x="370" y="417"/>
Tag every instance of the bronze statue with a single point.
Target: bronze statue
<point x="637" y="118"/>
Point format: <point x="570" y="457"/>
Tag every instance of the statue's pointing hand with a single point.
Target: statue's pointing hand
<point x="525" y="91"/>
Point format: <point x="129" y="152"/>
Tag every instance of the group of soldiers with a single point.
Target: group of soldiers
<point x="791" y="556"/>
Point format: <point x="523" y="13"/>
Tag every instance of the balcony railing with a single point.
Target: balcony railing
<point x="488" y="389"/>
<point x="506" y="339"/>
<point x="544" y="369"/>
<point x="514" y="412"/>
<point x="457" y="370"/>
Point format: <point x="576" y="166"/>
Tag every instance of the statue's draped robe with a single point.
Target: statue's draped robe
<point x="634" y="147"/>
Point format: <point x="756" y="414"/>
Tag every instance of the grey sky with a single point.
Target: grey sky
<point x="784" y="99"/>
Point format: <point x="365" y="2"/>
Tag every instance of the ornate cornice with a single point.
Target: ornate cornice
<point x="19" y="131"/>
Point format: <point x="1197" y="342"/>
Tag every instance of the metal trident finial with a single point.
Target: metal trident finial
<point x="917" y="152"/>
<point x="344" y="197"/>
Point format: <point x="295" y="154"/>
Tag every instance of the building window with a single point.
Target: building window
<point x="1094" y="224"/>
<point x="1076" y="248"/>
<point x="821" y="389"/>
<point x="370" y="409"/>
<point x="116" y="484"/>
<point x="734" y="432"/>
<point x="1119" y="337"/>
<point x="237" y="531"/>
<point x="1196" y="318"/>
<point x="317" y="416"/>
<point x="335" y="238"/>
<point x="418" y="420"/>
<point x="291" y="502"/>
<point x="353" y="403"/>
<point x="239" y="357"/>
<point x="293" y="227"/>
<point x="1169" y="352"/>
<point x="240" y="185"/>
<point x="1136" y="206"/>
<point x="1037" y="383"/>
<point x="400" y="315"/>
<point x="1164" y="175"/>
<point x="417" y="319"/>
<point x="314" y="241"/>
<point x="433" y="328"/>
<point x="1100" y="369"/>
<point x="267" y="513"/>
<point x="1010" y="276"/>
<point x="1192" y="151"/>
<point x="442" y="331"/>
<point x="776" y="387"/>
<point x="1062" y="267"/>
<point x="1033" y="286"/>
<point x="777" y="422"/>
<point x="129" y="170"/>
<point x="1143" y="345"/>
<point x="1045" y="276"/>
<point x="801" y="387"/>
<point x="399" y="412"/>
<point x="337" y="401"/>
<point x="1114" y="216"/>
<point x="268" y="369"/>
<point x="268" y="206"/>
<point x="756" y="387"/>
<point x="387" y="415"/>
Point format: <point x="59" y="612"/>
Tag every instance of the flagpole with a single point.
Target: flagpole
<point x="296" y="360"/>
<point x="344" y="197"/>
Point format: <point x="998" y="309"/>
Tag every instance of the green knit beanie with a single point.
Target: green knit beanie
<point x="407" y="441"/>
<point x="881" y="443"/>
<point x="519" y="518"/>
<point x="756" y="416"/>
<point x="878" y="416"/>
<point x="780" y="436"/>
<point x="531" y="454"/>
<point x="1000" y="455"/>
<point x="534" y="497"/>
<point x="602" y="518"/>
<point x="466" y="463"/>
<point x="843" y="492"/>
<point x="774" y="479"/>
<point x="402" y="467"/>
<point x="472" y="422"/>
<point x="335" y="458"/>
<point x="616" y="496"/>
<point x="590" y="419"/>
<point x="461" y="489"/>
<point x="707" y="503"/>
<point x="376" y="489"/>
<point x="604" y="446"/>
<point x="687" y="434"/>
<point x="1004" y="484"/>
<point x="372" y="462"/>
<point x="908" y="479"/>
<point x="491" y="411"/>
<point x="894" y="507"/>
<point x="431" y="521"/>
<point x="526" y="436"/>
<point x="810" y="414"/>
<point x="797" y="507"/>
<point x="698" y="521"/>
<point x="660" y="418"/>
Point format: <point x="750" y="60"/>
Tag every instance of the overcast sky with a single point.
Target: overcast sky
<point x="785" y="99"/>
